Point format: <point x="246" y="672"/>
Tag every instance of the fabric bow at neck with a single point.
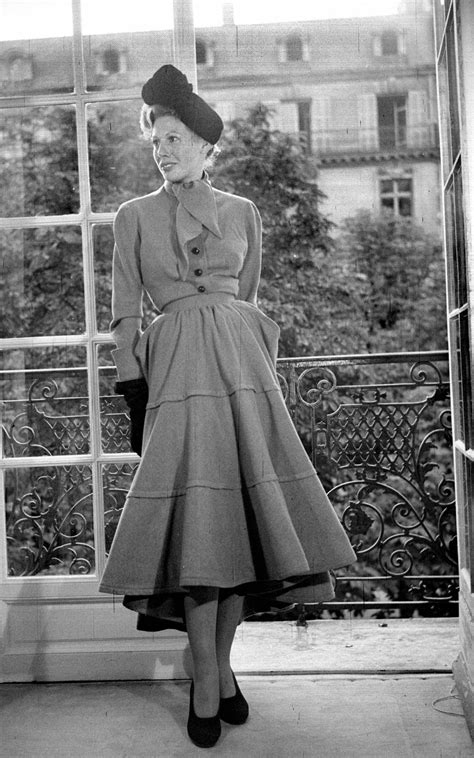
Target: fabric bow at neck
<point x="196" y="210"/>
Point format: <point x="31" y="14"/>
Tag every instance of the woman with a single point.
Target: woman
<point x="225" y="504"/>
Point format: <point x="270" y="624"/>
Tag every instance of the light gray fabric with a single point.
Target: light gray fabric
<point x="151" y="255"/>
<point x="225" y="494"/>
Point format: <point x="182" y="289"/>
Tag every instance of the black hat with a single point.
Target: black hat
<point x="169" y="87"/>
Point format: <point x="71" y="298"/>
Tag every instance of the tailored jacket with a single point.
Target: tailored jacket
<point x="179" y="241"/>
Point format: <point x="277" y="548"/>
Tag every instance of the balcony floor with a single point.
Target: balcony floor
<point x="373" y="691"/>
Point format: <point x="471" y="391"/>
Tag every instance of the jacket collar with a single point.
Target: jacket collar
<point x="197" y="199"/>
<point x="196" y="210"/>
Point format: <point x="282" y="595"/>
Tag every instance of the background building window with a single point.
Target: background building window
<point x="21" y="69"/>
<point x="294" y="117"/>
<point x="396" y="195"/>
<point x="304" y="122"/>
<point x="294" y="48"/>
<point x="389" y="43"/>
<point x="204" y="53"/>
<point x="201" y="52"/>
<point x="392" y="121"/>
<point x="111" y="61"/>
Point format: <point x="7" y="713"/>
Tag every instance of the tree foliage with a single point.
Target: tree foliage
<point x="304" y="286"/>
<point x="401" y="273"/>
<point x="376" y="285"/>
<point x="43" y="268"/>
<point x="121" y="164"/>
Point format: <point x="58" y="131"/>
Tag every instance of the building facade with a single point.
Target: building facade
<point x="361" y="91"/>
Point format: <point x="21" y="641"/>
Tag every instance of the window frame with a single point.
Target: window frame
<point x="398" y="126"/>
<point x="396" y="194"/>
<point x="294" y="46"/>
<point x="55" y="586"/>
<point x="392" y="36"/>
<point x="454" y="163"/>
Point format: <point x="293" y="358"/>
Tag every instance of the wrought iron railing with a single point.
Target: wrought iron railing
<point x="378" y="430"/>
<point x="376" y="426"/>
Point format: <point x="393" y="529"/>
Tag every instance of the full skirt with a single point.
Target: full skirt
<point x="225" y="494"/>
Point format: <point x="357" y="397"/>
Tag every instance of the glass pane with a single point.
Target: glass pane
<point x="455" y="243"/>
<point x="35" y="47"/>
<point x="440" y="17"/>
<point x="121" y="160"/>
<point x="404" y="206"/>
<point x="450" y="254"/>
<point x="459" y="251"/>
<point x="103" y="242"/>
<point x="465" y="372"/>
<point x="462" y="378"/>
<point x="386" y="185"/>
<point x="117" y="479"/>
<point x="45" y="402"/>
<point x="43" y="281"/>
<point x="125" y="42"/>
<point x="404" y="185"/>
<point x="114" y="418"/>
<point x="444" y="116"/>
<point x="453" y="90"/>
<point x="39" y="161"/>
<point x="465" y="497"/>
<point x="49" y="521"/>
<point x="466" y="500"/>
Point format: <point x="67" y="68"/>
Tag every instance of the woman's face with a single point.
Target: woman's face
<point x="179" y="153"/>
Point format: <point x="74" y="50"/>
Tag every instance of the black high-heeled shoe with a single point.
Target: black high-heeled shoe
<point x="234" y="710"/>
<point x="204" y="732"/>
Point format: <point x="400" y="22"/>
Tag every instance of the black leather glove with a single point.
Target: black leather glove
<point x="135" y="392"/>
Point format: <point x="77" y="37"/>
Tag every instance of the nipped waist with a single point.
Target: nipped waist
<point x="198" y="301"/>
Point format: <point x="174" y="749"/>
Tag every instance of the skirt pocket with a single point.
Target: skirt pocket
<point x="264" y="318"/>
<point x="141" y="350"/>
<point x="269" y="329"/>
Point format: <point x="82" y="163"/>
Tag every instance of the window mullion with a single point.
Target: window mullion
<point x="184" y="40"/>
<point x="89" y="288"/>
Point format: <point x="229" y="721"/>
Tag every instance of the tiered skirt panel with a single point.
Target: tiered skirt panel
<point x="225" y="494"/>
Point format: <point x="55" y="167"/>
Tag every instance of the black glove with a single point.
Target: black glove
<point x="135" y="392"/>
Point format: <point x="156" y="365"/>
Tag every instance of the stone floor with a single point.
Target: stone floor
<point x="362" y="645"/>
<point x="404" y="716"/>
<point x="332" y="689"/>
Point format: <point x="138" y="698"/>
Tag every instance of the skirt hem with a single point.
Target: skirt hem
<point x="294" y="578"/>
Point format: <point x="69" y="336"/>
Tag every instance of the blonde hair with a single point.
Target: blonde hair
<point x="148" y="116"/>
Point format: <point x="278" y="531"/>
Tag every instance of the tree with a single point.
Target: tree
<point x="376" y="287"/>
<point x="120" y="158"/>
<point x="305" y="287"/>
<point x="43" y="267"/>
<point x="401" y="271"/>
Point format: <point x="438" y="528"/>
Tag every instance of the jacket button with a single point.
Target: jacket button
<point x="198" y="272"/>
<point x="195" y="250"/>
<point x="201" y="289"/>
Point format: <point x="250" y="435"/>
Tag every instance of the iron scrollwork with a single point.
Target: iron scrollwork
<point x="383" y="450"/>
<point x="381" y="445"/>
<point x="49" y="521"/>
<point x="49" y="511"/>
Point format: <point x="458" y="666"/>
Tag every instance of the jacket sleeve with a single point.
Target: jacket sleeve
<point x="249" y="276"/>
<point x="127" y="293"/>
